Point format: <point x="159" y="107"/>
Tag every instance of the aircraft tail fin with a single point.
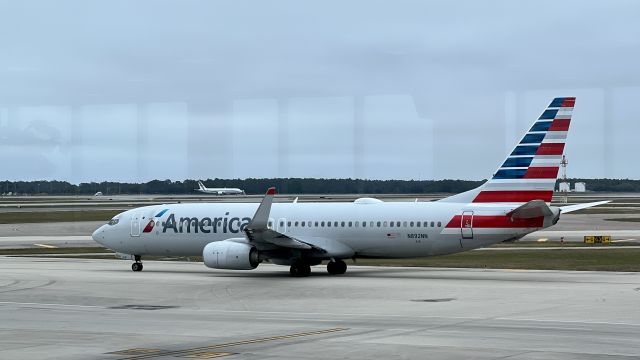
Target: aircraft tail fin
<point x="201" y="185"/>
<point x="530" y="171"/>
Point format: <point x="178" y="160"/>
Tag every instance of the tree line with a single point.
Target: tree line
<point x="284" y="186"/>
<point x="250" y="186"/>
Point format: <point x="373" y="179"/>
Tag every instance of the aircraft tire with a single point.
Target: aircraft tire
<point x="337" y="267"/>
<point x="300" y="269"/>
<point x="136" y="266"/>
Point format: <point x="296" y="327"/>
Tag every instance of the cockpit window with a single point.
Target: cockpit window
<point x="113" y="221"/>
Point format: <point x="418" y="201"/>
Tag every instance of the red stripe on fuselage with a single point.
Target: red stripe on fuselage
<point x="497" y="221"/>
<point x="541" y="172"/>
<point x="560" y="125"/>
<point x="513" y="196"/>
<point x="550" y="149"/>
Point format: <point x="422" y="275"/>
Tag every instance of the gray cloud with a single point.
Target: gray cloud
<point x="378" y="89"/>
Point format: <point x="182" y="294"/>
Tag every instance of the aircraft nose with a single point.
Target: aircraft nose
<point x="98" y="235"/>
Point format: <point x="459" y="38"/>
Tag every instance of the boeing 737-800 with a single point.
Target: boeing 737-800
<point x="219" y="191"/>
<point x="514" y="202"/>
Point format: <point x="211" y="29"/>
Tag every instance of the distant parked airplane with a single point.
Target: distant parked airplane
<point x="231" y="235"/>
<point x="219" y="191"/>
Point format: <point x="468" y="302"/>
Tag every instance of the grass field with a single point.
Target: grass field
<point x="596" y="210"/>
<point x="557" y="244"/>
<point x="56" y="216"/>
<point x="618" y="259"/>
<point x="625" y="219"/>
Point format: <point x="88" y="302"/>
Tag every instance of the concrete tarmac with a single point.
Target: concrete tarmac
<point x="99" y="309"/>
<point x="71" y="228"/>
<point x="31" y="242"/>
<point x="61" y="234"/>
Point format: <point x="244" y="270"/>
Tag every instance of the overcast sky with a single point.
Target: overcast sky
<point x="137" y="90"/>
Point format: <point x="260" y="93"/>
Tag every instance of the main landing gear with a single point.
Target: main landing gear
<point x="336" y="267"/>
<point x="303" y="269"/>
<point x="137" y="266"/>
<point x="300" y="269"/>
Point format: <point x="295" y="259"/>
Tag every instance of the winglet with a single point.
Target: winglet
<point x="261" y="217"/>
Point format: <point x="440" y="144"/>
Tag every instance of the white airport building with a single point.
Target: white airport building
<point x="577" y="187"/>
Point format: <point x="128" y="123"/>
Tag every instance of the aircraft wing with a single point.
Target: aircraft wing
<point x="275" y="238"/>
<point x="258" y="232"/>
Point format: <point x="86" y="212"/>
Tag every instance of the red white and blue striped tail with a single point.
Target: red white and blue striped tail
<point x="530" y="171"/>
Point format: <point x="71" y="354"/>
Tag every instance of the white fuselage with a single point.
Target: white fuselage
<point x="221" y="191"/>
<point x="361" y="229"/>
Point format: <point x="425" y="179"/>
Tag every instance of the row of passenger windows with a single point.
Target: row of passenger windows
<point x="363" y="224"/>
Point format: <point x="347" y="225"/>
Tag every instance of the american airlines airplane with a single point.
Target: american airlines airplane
<point x="219" y="191"/>
<point x="513" y="203"/>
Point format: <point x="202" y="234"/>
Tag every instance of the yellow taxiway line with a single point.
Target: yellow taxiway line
<point x="202" y="352"/>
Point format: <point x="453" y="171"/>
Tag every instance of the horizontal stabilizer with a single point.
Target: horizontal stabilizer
<point x="576" y="207"/>
<point x="532" y="209"/>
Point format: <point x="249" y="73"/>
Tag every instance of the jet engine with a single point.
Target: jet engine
<point x="231" y="254"/>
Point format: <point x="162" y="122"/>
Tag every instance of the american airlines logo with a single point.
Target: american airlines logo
<point x="204" y="225"/>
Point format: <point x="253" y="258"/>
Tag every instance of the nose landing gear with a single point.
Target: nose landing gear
<point x="137" y="266"/>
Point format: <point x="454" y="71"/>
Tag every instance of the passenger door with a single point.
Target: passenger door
<point x="135" y="224"/>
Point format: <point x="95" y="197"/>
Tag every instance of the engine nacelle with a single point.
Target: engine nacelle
<point x="230" y="254"/>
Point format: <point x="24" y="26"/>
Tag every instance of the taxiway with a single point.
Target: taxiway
<point x="99" y="309"/>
